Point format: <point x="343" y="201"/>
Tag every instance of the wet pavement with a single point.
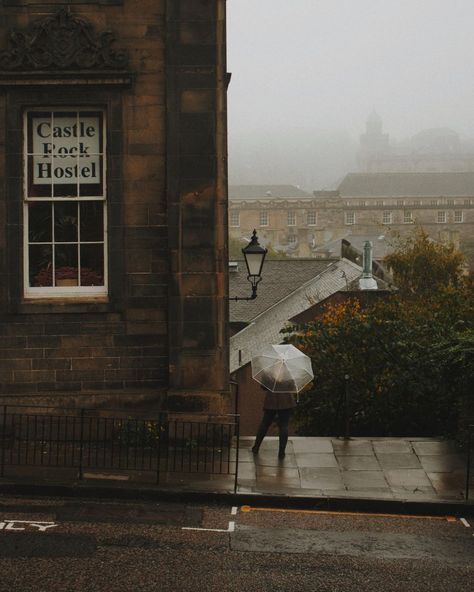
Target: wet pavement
<point x="385" y="469"/>
<point x="382" y="468"/>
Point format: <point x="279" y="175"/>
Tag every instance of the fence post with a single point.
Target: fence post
<point x="470" y="429"/>
<point x="4" y="441"/>
<point x="237" y="434"/>
<point x="81" y="444"/>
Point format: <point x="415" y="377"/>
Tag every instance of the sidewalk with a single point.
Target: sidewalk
<point x="389" y="475"/>
<point x="379" y="468"/>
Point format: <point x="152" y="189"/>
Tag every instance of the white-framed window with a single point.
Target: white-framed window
<point x="441" y="217"/>
<point x="65" y="214"/>
<point x="407" y="217"/>
<point x="458" y="216"/>
<point x="350" y="217"/>
<point x="235" y="218"/>
<point x="312" y="218"/>
<point x="263" y="218"/>
<point x="291" y="218"/>
<point x="292" y="239"/>
<point x="386" y="217"/>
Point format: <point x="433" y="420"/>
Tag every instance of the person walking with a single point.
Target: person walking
<point x="276" y="405"/>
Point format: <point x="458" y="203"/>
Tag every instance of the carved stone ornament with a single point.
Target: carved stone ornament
<point x="61" y="42"/>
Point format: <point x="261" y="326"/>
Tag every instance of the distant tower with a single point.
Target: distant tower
<point x="374" y="143"/>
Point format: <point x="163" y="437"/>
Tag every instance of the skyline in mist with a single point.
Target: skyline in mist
<point x="307" y="73"/>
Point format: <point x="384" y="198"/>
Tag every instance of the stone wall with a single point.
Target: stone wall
<point x="163" y="325"/>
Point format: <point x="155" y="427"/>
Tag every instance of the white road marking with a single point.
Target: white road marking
<point x="465" y="522"/>
<point x="39" y="524"/>
<point x="231" y="528"/>
<point x="234" y="510"/>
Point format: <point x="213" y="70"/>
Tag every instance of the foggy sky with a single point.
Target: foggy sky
<point x="308" y="72"/>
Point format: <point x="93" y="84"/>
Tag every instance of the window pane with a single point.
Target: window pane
<point x="92" y="221"/>
<point x="41" y="265"/>
<point x="65" y="222"/>
<point x="39" y="176"/>
<point x="92" y="265"/>
<point x="65" y="258"/>
<point x="40" y="222"/>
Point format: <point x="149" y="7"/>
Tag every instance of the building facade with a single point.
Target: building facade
<point x="113" y="202"/>
<point x="365" y="204"/>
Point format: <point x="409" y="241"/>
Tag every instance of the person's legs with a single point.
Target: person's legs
<point x="283" y="422"/>
<point x="268" y="415"/>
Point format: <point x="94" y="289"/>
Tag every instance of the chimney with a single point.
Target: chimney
<point x="367" y="281"/>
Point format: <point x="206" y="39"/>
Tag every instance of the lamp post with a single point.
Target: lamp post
<point x="254" y="257"/>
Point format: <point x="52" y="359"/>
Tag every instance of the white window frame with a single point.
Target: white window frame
<point x="349" y="218"/>
<point x="292" y="239"/>
<point x="291" y="218"/>
<point x="407" y="217"/>
<point x="458" y="216"/>
<point x="263" y="218"/>
<point x="312" y="217"/>
<point x="64" y="292"/>
<point x="386" y="217"/>
<point x="442" y="217"/>
<point x="234" y="218"/>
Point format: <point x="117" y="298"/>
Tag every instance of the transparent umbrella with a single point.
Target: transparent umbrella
<point x="282" y="369"/>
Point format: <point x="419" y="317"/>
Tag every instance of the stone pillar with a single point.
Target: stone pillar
<point x="197" y="205"/>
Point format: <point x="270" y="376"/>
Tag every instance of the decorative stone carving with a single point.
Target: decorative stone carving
<point x="62" y="42"/>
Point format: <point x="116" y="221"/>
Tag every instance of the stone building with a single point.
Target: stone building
<point x="364" y="205"/>
<point x="431" y="150"/>
<point x="113" y="202"/>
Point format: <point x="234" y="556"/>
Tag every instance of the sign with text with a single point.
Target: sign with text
<point x="65" y="150"/>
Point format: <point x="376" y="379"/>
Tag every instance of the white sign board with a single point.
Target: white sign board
<point x="66" y="150"/>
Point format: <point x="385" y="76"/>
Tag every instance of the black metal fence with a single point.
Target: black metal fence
<point x="91" y="440"/>
<point x="470" y="460"/>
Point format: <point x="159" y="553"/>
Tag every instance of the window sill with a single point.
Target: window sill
<point x="65" y="306"/>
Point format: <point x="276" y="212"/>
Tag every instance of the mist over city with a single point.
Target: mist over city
<point x="307" y="75"/>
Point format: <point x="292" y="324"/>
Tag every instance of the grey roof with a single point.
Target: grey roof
<point x="266" y="192"/>
<point x="380" y="243"/>
<point x="266" y="327"/>
<point x="280" y="277"/>
<point x="407" y="185"/>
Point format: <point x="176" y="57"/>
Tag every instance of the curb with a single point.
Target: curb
<point x="335" y="504"/>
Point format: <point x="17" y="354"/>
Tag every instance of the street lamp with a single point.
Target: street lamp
<point x="254" y="257"/>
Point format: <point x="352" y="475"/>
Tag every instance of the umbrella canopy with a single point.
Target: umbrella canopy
<point x="282" y="369"/>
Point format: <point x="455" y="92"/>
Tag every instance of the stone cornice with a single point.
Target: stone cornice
<point x="60" y="48"/>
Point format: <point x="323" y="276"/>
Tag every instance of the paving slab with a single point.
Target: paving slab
<point x="321" y="478"/>
<point x="399" y="461"/>
<point x="358" y="463"/>
<point x="392" y="447"/>
<point x="316" y="460"/>
<point x="362" y="480"/>
<point x="352" y="447"/>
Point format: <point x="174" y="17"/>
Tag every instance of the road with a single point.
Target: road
<point x="49" y="545"/>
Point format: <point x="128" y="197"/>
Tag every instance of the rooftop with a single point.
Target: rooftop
<point x="280" y="278"/>
<point x="266" y="192"/>
<point x="407" y="185"/>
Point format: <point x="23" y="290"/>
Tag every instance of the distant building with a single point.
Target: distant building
<point x="432" y="150"/>
<point x="365" y="205"/>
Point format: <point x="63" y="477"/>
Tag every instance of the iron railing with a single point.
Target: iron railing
<point x="470" y="458"/>
<point x="88" y="440"/>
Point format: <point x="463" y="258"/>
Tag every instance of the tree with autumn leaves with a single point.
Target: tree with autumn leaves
<point x="408" y="359"/>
